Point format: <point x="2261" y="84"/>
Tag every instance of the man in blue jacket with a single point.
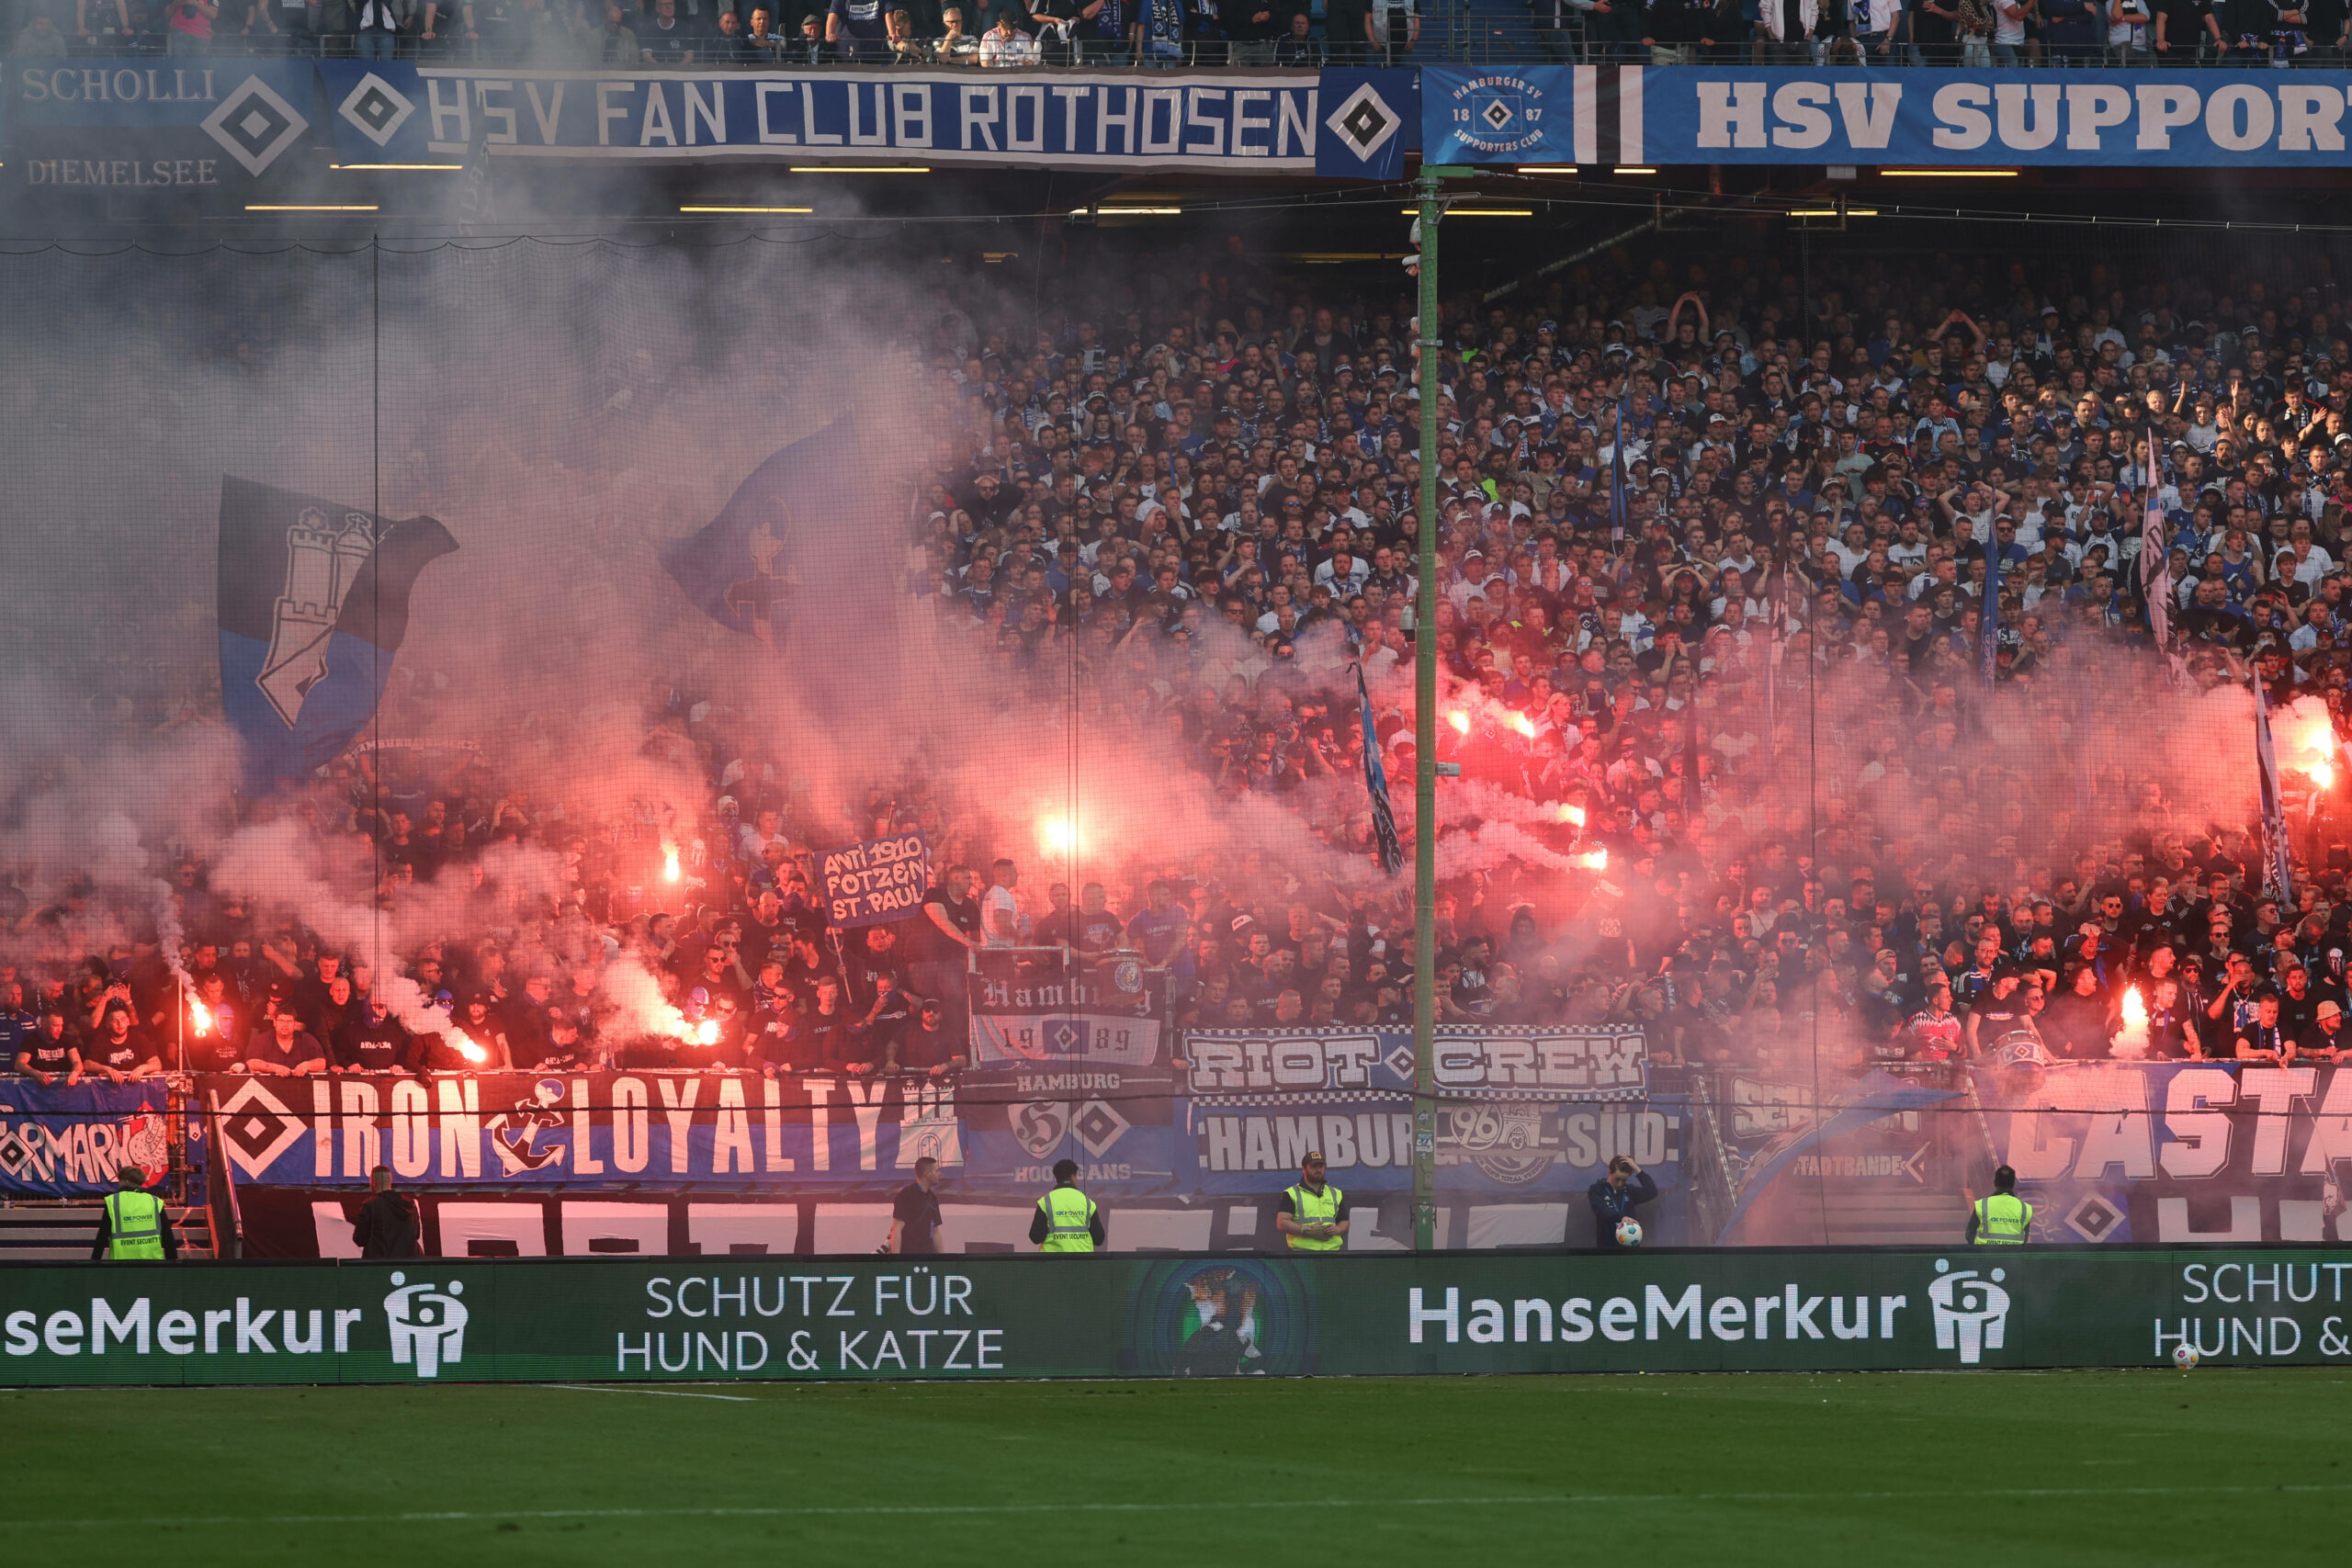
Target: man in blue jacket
<point x="1614" y="1197"/>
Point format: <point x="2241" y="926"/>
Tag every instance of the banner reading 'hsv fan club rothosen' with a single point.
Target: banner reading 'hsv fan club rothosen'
<point x="1253" y="121"/>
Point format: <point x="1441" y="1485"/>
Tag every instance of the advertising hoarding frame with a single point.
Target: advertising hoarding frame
<point x="863" y="1317"/>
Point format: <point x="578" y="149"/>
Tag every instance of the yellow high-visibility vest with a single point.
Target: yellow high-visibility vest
<point x="2002" y="1220"/>
<point x="1070" y="1221"/>
<point x="1316" y="1209"/>
<point x="135" y="1224"/>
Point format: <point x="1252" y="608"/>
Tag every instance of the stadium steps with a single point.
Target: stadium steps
<point x="62" y="1231"/>
<point x="1490" y="30"/>
<point x="1888" y="1219"/>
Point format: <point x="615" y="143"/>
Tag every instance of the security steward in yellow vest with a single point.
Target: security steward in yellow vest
<point x="1067" y="1220"/>
<point x="134" y="1228"/>
<point x="2003" y="1219"/>
<point x="1312" y="1216"/>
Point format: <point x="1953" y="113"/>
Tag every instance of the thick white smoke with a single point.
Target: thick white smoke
<point x="567" y="413"/>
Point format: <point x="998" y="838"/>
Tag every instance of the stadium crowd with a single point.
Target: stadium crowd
<point x="1732" y="771"/>
<point x="1981" y="34"/>
<point x="982" y="33"/>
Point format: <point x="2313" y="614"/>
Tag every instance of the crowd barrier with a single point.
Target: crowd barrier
<point x="867" y="1318"/>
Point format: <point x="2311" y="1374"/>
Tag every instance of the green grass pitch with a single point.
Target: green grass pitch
<point x="1980" y="1469"/>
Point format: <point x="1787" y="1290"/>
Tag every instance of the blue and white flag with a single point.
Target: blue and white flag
<point x="1496" y="115"/>
<point x="1371" y="119"/>
<point x="2155" y="561"/>
<point x="2278" y="879"/>
<point x="1376" y="784"/>
<point x="740" y="568"/>
<point x="313" y="603"/>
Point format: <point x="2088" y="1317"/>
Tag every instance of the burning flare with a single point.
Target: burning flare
<point x="1460" y="720"/>
<point x="2304" y="731"/>
<point x="1572" y="814"/>
<point x="706" y="1032"/>
<point x="1059" y="834"/>
<point x="1524" y="725"/>
<point x="199" y="1015"/>
<point x="467" y="1048"/>
<point x="2131" y="1044"/>
<point x="669" y="863"/>
<point x="1594" y="860"/>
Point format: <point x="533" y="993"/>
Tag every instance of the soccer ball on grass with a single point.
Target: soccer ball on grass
<point x="1629" y="1232"/>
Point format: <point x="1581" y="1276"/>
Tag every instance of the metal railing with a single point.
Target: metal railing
<point x="709" y="53"/>
<point x="1714" y="1193"/>
<point x="1541" y="32"/>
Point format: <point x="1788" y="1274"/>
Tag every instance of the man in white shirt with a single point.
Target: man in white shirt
<point x="2129" y="22"/>
<point x="1278" y="599"/>
<point x="1343" y="574"/>
<point x="765" y="829"/>
<point x="1472" y="581"/>
<point x="1006" y="45"/>
<point x="1851" y="549"/>
<point x="2302" y="560"/>
<point x="1000" y="912"/>
<point x="1908" y="551"/>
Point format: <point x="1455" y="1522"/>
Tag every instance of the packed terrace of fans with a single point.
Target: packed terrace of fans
<point x="1732" y="770"/>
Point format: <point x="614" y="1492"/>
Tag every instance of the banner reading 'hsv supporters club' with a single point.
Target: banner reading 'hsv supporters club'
<point x="1643" y="115"/>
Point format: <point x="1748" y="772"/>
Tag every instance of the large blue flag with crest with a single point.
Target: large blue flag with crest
<point x="314" y="605"/>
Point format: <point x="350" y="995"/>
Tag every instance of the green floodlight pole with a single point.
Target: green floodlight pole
<point x="1425" y="735"/>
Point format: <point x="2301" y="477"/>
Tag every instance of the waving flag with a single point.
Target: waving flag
<point x="1776" y="631"/>
<point x="1691" y="763"/>
<point x="1617" y="508"/>
<point x="740" y="568"/>
<point x="313" y="601"/>
<point x="477" y="201"/>
<point x="2155" y="561"/>
<point x="2277" y="871"/>
<point x="1376" y="784"/>
<point x="1988" y="622"/>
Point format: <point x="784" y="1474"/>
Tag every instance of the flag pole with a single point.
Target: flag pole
<point x="1425" y="735"/>
<point x="2278" y="873"/>
<point x="1988" y="617"/>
